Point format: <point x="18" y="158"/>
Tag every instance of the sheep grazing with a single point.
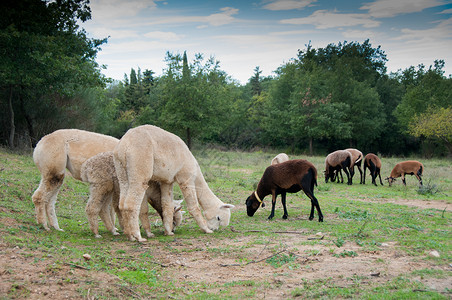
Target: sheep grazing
<point x="65" y="148"/>
<point x="148" y="153"/>
<point x="411" y="167"/>
<point x="287" y="177"/>
<point x="373" y="163"/>
<point x="99" y="172"/>
<point x="337" y="160"/>
<point x="357" y="158"/>
<point x="281" y="157"/>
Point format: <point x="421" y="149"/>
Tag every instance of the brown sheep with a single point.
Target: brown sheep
<point x="411" y="167"/>
<point x="373" y="163"/>
<point x="287" y="177"/>
<point x="55" y="152"/>
<point x="337" y="160"/>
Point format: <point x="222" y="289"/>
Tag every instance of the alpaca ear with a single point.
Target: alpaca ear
<point x="227" y="206"/>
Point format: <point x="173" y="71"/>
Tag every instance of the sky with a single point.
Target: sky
<point x="243" y="34"/>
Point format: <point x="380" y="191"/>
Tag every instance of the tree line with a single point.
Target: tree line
<point x="322" y="100"/>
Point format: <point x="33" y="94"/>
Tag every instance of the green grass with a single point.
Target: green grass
<point x="364" y="216"/>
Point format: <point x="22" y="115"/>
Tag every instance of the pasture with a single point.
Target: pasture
<point x="374" y="243"/>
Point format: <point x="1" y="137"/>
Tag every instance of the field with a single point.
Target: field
<point x="375" y="242"/>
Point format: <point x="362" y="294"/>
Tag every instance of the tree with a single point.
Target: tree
<point x="45" y="61"/>
<point x="255" y="82"/>
<point x="195" y="97"/>
<point x="434" y="124"/>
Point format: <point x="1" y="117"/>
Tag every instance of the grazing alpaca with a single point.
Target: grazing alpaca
<point x="373" y="163"/>
<point x="287" y="177"/>
<point x="149" y="153"/>
<point x="281" y="157"/>
<point x="411" y="167"/>
<point x="65" y="148"/>
<point x="99" y="172"/>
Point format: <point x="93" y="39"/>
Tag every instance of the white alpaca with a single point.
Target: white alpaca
<point x="99" y="172"/>
<point x="281" y="157"/>
<point x="150" y="153"/>
<point x="65" y="148"/>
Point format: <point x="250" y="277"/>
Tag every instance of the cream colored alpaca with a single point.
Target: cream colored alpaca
<point x="281" y="157"/>
<point x="99" y="172"/>
<point x="150" y="153"/>
<point x="65" y="148"/>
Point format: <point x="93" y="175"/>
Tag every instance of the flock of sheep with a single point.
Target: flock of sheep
<point x="142" y="167"/>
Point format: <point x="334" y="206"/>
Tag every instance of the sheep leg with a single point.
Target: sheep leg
<point x="360" y="172"/>
<point x="349" y="179"/>
<point x="144" y="217"/>
<point x="364" y="174"/>
<point x="314" y="203"/>
<point x="342" y="178"/>
<point x="418" y="175"/>
<point x="373" y="170"/>
<point x="403" y="179"/>
<point x="190" y="197"/>
<point x="283" y="200"/>
<point x="272" y="214"/>
<point x="378" y="171"/>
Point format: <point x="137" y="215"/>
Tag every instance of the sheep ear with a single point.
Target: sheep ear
<point x="177" y="208"/>
<point x="263" y="204"/>
<point x="178" y="202"/>
<point x="227" y="206"/>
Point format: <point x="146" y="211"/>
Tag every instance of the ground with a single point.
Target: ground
<point x="34" y="275"/>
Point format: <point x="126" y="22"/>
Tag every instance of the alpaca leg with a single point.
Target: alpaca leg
<point x="144" y="218"/>
<point x="107" y="214"/>
<point x="39" y="201"/>
<point x="166" y="191"/>
<point x="130" y="205"/>
<point x="93" y="208"/>
<point x="283" y="200"/>
<point x="190" y="197"/>
<point x="50" y="206"/>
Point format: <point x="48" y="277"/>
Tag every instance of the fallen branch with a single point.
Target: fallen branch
<point x="291" y="232"/>
<point x="253" y="261"/>
<point x="76" y="266"/>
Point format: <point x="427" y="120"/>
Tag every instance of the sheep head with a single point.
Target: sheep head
<point x="253" y="202"/>
<point x="390" y="180"/>
<point x="221" y="217"/>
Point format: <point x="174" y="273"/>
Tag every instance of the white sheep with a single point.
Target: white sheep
<point x="149" y="153"/>
<point x="281" y="157"/>
<point x="65" y="148"/>
<point x="99" y="172"/>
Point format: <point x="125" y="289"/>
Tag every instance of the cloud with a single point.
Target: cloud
<point x="164" y="36"/>
<point x="224" y="17"/>
<point x="323" y="19"/>
<point x="119" y="9"/>
<point x="447" y="11"/>
<point x="391" y="8"/>
<point x="288" y="4"/>
<point x="360" y="34"/>
<point x="442" y="32"/>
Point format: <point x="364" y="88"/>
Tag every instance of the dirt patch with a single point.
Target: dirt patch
<point x="423" y="204"/>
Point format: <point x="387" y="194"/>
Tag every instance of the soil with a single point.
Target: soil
<point x="28" y="274"/>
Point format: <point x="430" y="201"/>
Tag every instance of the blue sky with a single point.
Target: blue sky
<point x="244" y="34"/>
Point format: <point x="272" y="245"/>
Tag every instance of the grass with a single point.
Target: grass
<point x="359" y="219"/>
